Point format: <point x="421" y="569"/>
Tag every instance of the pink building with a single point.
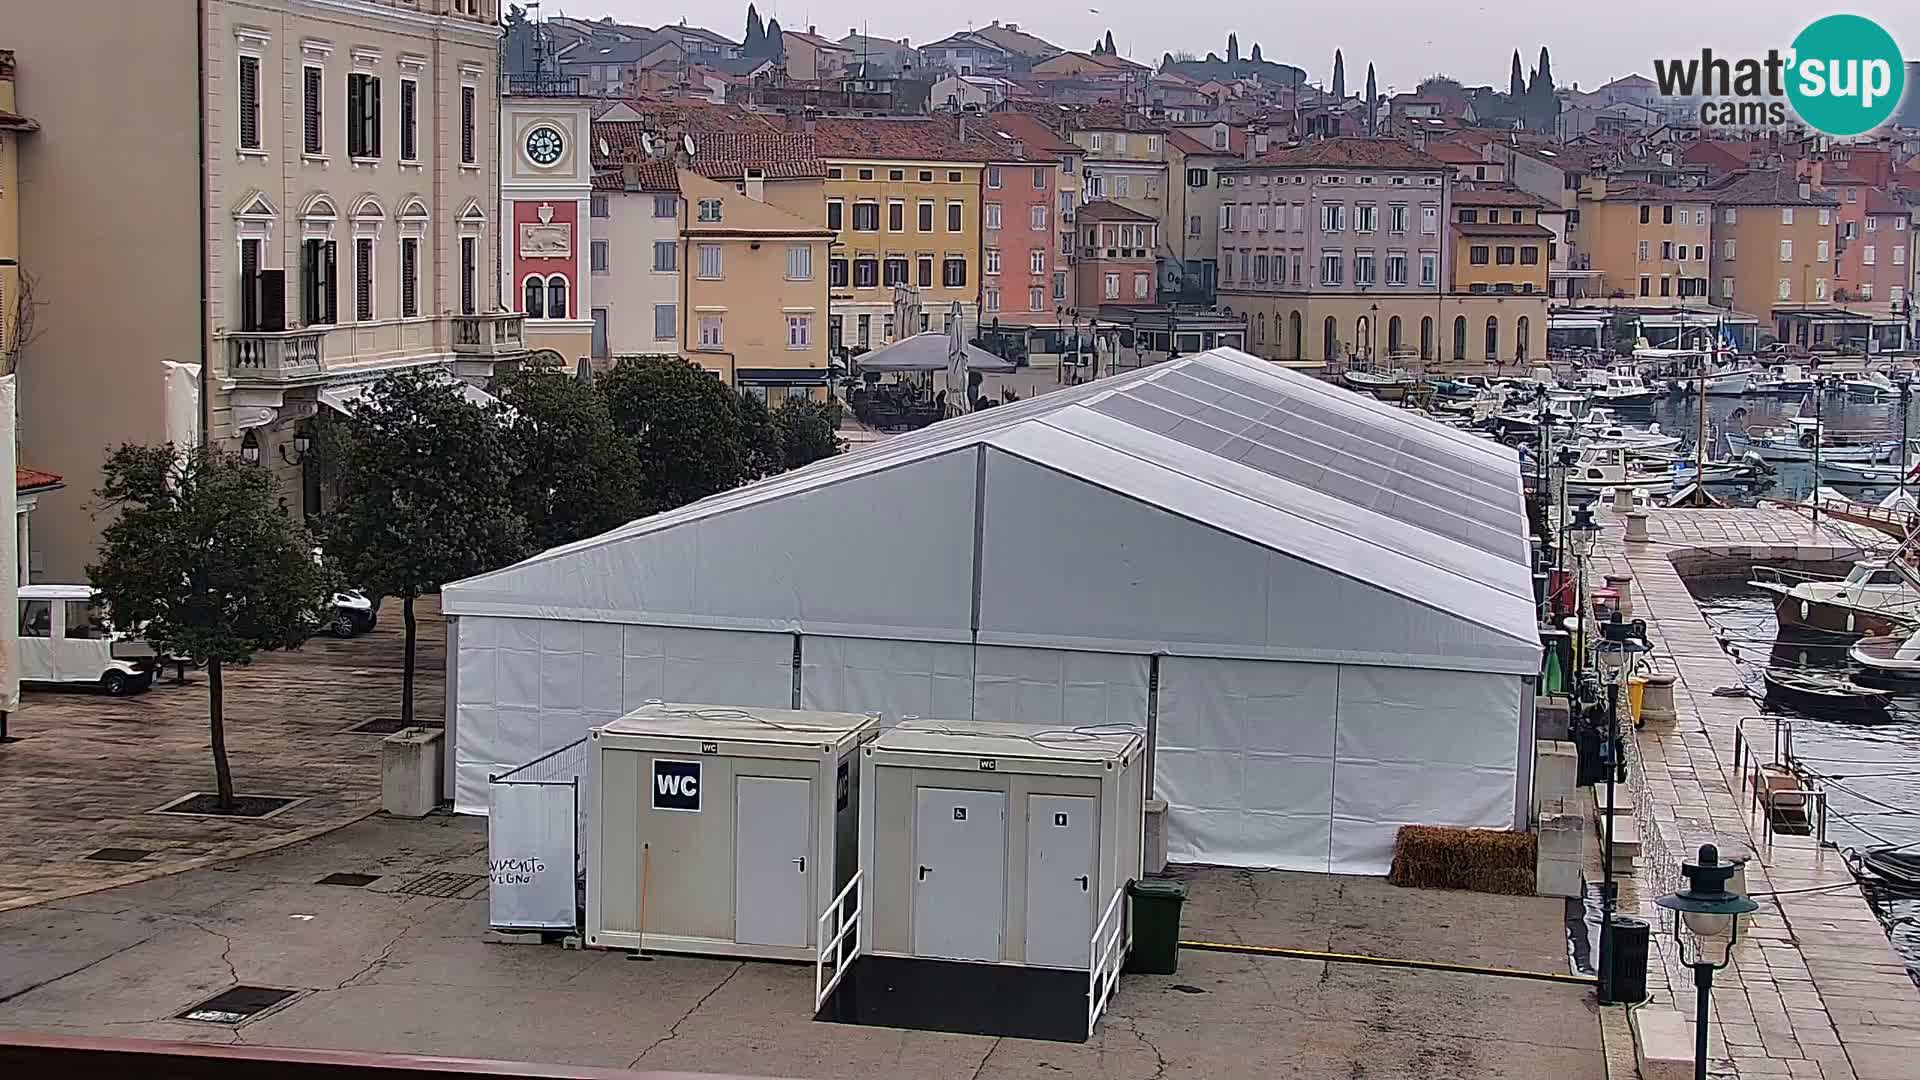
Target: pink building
<point x="1872" y="242"/>
<point x="1116" y="263"/>
<point x="1016" y="219"/>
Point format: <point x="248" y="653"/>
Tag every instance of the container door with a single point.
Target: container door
<point x="772" y="861"/>
<point x="960" y="873"/>
<point x="1060" y="880"/>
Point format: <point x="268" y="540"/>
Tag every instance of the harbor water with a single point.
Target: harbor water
<point x="1840" y="414"/>
<point x="1871" y="771"/>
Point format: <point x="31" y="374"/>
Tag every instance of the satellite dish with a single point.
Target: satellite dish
<point x="604" y="151"/>
<point x="646" y="142"/>
<point x="687" y="142"/>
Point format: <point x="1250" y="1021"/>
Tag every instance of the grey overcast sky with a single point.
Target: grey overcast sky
<point x="1406" y="40"/>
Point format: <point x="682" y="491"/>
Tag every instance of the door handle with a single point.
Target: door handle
<point x="1082" y="879"/>
<point x="802" y="861"/>
<point x="924" y="871"/>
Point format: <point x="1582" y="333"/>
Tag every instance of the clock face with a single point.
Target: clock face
<point x="544" y="145"/>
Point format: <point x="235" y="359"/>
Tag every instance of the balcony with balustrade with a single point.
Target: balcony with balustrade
<point x="276" y="357"/>
<point x="499" y="335"/>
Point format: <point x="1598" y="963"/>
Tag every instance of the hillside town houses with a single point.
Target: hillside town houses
<point x="463" y="185"/>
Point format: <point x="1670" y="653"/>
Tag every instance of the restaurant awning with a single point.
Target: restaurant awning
<point x="927" y="352"/>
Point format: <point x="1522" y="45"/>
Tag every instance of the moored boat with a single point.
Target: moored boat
<point x="1876" y="598"/>
<point x="1824" y="694"/>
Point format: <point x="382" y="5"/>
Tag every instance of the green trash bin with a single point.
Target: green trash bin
<point x="1156" y="925"/>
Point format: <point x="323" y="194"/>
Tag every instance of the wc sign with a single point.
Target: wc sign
<point x="676" y="785"/>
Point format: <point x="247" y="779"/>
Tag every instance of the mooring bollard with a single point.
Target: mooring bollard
<point x="1622" y="499"/>
<point x="1637" y="527"/>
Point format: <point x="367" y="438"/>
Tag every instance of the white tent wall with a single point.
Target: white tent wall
<point x="1316" y="766"/>
<point x="1420" y="748"/>
<point x="525" y="687"/>
<point x="1059" y="688"/>
<point x="893" y="678"/>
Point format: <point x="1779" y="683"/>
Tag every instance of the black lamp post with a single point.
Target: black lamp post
<point x="1905" y="383"/>
<point x="1562" y="468"/>
<point x="1710" y="912"/>
<point x="1617" y="648"/>
<point x="1583" y="533"/>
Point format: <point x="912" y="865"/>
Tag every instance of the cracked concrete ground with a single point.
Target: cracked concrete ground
<point x="383" y="970"/>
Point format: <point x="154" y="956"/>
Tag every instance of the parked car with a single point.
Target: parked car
<point x="66" y="637"/>
<point x="354" y="613"/>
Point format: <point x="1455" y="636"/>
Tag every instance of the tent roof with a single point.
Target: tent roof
<point x="1368" y="491"/>
<point x="927" y="351"/>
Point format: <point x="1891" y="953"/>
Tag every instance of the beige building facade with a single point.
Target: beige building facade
<point x="333" y="219"/>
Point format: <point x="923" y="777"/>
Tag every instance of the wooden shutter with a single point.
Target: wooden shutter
<point x="329" y="288"/>
<point x="373" y="116"/>
<point x="273" y="299"/>
<point x="312" y="115"/>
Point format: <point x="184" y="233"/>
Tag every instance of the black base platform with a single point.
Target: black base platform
<point x="962" y="997"/>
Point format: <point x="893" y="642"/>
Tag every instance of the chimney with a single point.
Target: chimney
<point x="630" y="176"/>
<point x="810" y="115"/>
<point x="852" y="31"/>
<point x="1013" y="26"/>
<point x="996" y="25"/>
<point x="960" y="124"/>
<point x="813" y="30"/>
<point x="1806" y="190"/>
<point x="755" y="187"/>
<point x="1260" y="141"/>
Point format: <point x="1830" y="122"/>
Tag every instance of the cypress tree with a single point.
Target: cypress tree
<point x="1339" y="76"/>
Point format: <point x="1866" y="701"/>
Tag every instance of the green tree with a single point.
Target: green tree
<point x="690" y="429"/>
<point x="1373" y="105"/>
<point x="764" y="453"/>
<point x="1108" y="44"/>
<point x="426" y="496"/>
<point x="756" y="41"/>
<point x="200" y="556"/>
<point x="574" y="474"/>
<point x="776" y="49"/>
<point x="1544" y="103"/>
<point x="1233" y="48"/>
<point x="1339" y="76"/>
<point x="1517" y="81"/>
<point x="807" y="431"/>
<point x="1256" y="53"/>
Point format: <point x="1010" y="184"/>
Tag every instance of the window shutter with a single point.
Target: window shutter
<point x="356" y="144"/>
<point x="312" y="115"/>
<point x="310" y="282"/>
<point x="250" y="102"/>
<point x="249" y="284"/>
<point x="329" y="288"/>
<point x="373" y="116"/>
<point x="466" y="124"/>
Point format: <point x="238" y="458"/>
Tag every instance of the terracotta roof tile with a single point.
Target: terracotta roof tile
<point x="1345" y="152"/>
<point x="1766" y="187"/>
<point x="1644" y="192"/>
<point x="1036" y="138"/>
<point x="881" y="139"/>
<point x="1883" y="202"/>
<point x="657" y="177"/>
<point x="728" y="156"/>
<point x="25" y="479"/>
<point x="1455" y="154"/>
<point x="1503" y="228"/>
<point x="1107" y="210"/>
<point x="1498" y="197"/>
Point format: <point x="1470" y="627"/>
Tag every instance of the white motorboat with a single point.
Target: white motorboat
<point x="1623" y="390"/>
<point x="1854" y="472"/>
<point x="1889" y="657"/>
<point x="1391" y="385"/>
<point x="1784" y="380"/>
<point x="1600" y="428"/>
<point x="1877" y="597"/>
<point x="1870" y="386"/>
<point x="1603" y="467"/>
<point x="1795" y="442"/>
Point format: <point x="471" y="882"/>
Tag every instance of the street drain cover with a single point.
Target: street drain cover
<point x="240" y="1003"/>
<point x="351" y="881"/>
<point x="389" y="725"/>
<point x="445" y="885"/>
<point x="119" y="854"/>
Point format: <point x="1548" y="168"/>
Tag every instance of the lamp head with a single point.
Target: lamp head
<point x="250" y="448"/>
<point x="1583" y="532"/>
<point x="1705" y="905"/>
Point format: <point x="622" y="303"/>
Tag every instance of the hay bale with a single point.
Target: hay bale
<point x="1478" y="860"/>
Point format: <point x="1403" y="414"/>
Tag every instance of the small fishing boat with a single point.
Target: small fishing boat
<point x="1602" y="467"/>
<point x="1824" y="694"/>
<point x="1853" y="472"/>
<point x="1892" y="867"/>
<point x="1795" y="442"/>
<point x="1620" y="390"/>
<point x="1891" y="658"/>
<point x="1386" y="385"/>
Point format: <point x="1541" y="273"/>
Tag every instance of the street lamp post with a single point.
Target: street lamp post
<point x="1583" y="533"/>
<point x="1617" y="648"/>
<point x="1905" y="383"/>
<point x="1562" y="468"/>
<point x="1709" y="911"/>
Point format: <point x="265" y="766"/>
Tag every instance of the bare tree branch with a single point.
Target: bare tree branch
<point x="24" y="302"/>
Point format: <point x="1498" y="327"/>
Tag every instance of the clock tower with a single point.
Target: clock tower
<point x="546" y="179"/>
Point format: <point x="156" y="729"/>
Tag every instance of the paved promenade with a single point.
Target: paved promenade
<point x="1814" y="989"/>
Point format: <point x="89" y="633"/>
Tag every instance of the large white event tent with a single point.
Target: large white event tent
<point x="1319" y="606"/>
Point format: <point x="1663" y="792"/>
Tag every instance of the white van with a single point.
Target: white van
<point x="65" y="638"/>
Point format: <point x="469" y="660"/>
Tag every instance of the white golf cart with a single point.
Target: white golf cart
<point x="65" y="638"/>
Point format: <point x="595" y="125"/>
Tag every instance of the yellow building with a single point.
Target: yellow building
<point x="904" y="204"/>
<point x="12" y="127"/>
<point x="1773" y="238"/>
<point x="1499" y="245"/>
<point x="1646" y="241"/>
<point x="755" y="281"/>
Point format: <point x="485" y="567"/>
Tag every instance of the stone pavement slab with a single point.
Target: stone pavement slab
<point x="383" y="970"/>
<point x="86" y="769"/>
